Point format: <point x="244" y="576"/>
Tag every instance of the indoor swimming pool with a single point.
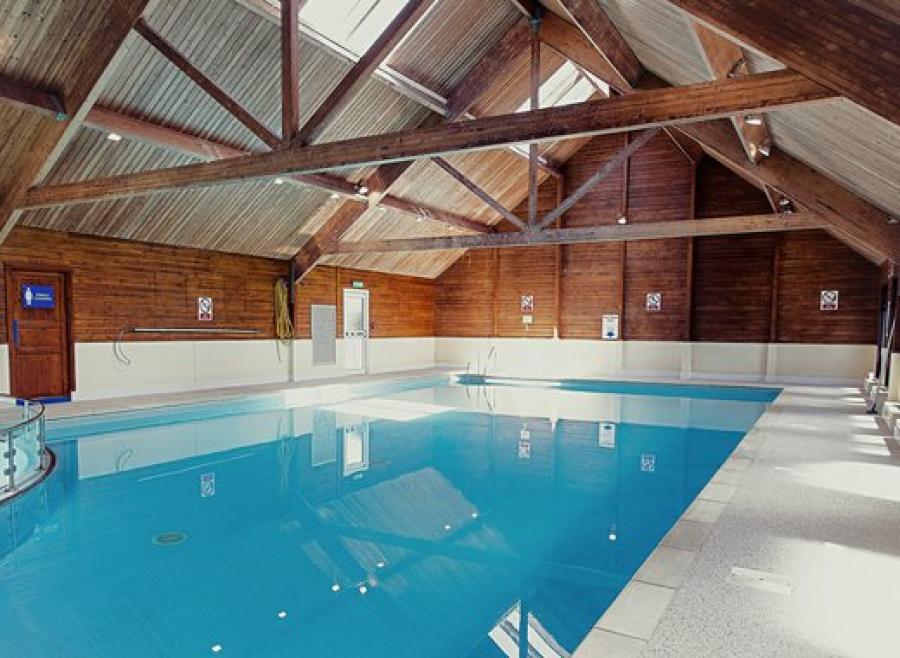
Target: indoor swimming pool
<point x="473" y="521"/>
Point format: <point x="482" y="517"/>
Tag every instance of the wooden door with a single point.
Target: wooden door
<point x="37" y="328"/>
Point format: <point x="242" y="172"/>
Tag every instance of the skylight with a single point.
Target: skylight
<point x="353" y="24"/>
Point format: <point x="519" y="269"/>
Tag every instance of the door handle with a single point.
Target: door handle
<point x="15" y="333"/>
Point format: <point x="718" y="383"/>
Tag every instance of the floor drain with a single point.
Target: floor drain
<point x="169" y="538"/>
<point x="761" y="580"/>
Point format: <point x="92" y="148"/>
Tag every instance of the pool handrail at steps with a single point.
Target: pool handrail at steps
<point x="22" y="435"/>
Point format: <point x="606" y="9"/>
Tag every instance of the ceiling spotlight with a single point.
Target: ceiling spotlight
<point x="279" y="181"/>
<point x="765" y="148"/>
<point x="753" y="120"/>
<point x="622" y="220"/>
<point x="114" y="137"/>
<point x="363" y="189"/>
<point x="335" y="195"/>
<point x="786" y="205"/>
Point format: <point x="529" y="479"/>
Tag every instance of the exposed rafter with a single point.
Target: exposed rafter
<point x="100" y="58"/>
<point x="490" y="201"/>
<point x="725" y="59"/>
<point x="600" y="30"/>
<point x="27" y="98"/>
<point x="605" y="233"/>
<point x="646" y="109"/>
<point x="171" y="53"/>
<point x="395" y="32"/>
<point x="841" y="44"/>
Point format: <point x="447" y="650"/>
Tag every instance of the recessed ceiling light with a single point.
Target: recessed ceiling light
<point x="114" y="137"/>
<point x="622" y="220"/>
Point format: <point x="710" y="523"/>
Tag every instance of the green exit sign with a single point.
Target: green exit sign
<point x="359" y="284"/>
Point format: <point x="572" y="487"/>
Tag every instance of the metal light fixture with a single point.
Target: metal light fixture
<point x="363" y="189"/>
<point x="753" y="120"/>
<point x="114" y="137"/>
<point x="279" y="181"/>
<point x="622" y="220"/>
<point x="765" y="148"/>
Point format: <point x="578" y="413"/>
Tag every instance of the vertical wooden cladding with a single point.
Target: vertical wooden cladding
<point x="656" y="266"/>
<point x="464" y="296"/>
<point x="399" y="306"/>
<point x="722" y="193"/>
<point x="812" y="261"/>
<point x="118" y="284"/>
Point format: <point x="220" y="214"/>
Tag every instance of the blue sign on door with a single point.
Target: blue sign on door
<point x="35" y="296"/>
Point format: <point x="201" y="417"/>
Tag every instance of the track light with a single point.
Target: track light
<point x="363" y="189"/>
<point x="765" y="148"/>
<point x="753" y="120"/>
<point x="786" y="205"/>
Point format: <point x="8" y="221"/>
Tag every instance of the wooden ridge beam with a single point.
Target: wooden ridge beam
<point x="234" y="108"/>
<point x="602" y="32"/>
<point x="290" y="69"/>
<point x="99" y="56"/>
<point x="377" y="53"/>
<point x="591" y="234"/>
<point x="841" y="44"/>
<point x="725" y="59"/>
<point x="489" y="201"/>
<point x="638" y="111"/>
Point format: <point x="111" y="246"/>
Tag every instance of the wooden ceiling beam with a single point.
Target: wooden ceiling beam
<point x="534" y="89"/>
<point x="638" y="111"/>
<point x="290" y="69"/>
<point x="570" y="42"/>
<point x="379" y="51"/>
<point x="396" y="80"/>
<point x="181" y="62"/>
<point x="435" y="214"/>
<point x="606" y="38"/>
<point x="99" y="56"/>
<point x="847" y="215"/>
<point x="34" y="100"/>
<point x="489" y="201"/>
<point x="841" y="44"/>
<point x="725" y="59"/>
<point x="605" y="233"/>
<point x="328" y="236"/>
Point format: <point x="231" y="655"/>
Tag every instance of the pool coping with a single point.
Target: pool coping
<point x="629" y="625"/>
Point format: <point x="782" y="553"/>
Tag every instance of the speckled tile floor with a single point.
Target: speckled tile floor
<point x="810" y="502"/>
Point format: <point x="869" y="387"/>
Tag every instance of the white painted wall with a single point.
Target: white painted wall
<point x="167" y="366"/>
<point x="384" y="355"/>
<point x="553" y="358"/>
<point x="4" y="369"/>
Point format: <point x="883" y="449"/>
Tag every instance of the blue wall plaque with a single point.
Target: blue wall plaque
<point x="35" y="296"/>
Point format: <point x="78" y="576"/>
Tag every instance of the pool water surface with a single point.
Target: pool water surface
<point x="448" y="521"/>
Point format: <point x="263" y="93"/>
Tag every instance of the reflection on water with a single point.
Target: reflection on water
<point x="418" y="524"/>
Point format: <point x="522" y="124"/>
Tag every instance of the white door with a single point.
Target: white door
<point x="356" y="330"/>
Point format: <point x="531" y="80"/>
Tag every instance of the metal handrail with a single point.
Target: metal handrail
<point x="32" y="428"/>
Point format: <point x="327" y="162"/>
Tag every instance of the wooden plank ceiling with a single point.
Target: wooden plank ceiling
<point x="239" y="48"/>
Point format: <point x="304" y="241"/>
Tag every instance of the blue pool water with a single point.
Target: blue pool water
<point x="448" y="521"/>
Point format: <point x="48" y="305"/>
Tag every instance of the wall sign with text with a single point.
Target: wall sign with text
<point x="829" y="300"/>
<point x="205" y="309"/>
<point x="36" y="296"/>
<point x="610" y="328"/>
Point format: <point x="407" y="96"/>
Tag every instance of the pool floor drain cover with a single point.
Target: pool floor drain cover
<point x="169" y="538"/>
<point x="761" y="580"/>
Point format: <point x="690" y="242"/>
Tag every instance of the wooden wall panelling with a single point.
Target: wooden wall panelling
<point x="812" y="261"/>
<point x="659" y="182"/>
<point x="464" y="296"/>
<point x="399" y="306"/>
<point x="732" y="288"/>
<point x="722" y="193"/>
<point x="656" y="266"/>
<point x="118" y="284"/>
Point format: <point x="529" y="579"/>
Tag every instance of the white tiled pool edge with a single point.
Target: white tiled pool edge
<point x="630" y="626"/>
